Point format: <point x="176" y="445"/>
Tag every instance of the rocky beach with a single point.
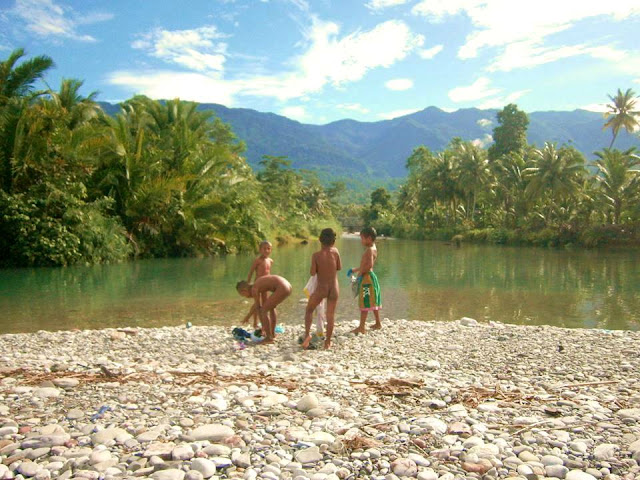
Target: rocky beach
<point x="425" y="400"/>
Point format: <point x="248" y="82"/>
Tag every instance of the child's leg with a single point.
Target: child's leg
<point x="265" y="312"/>
<point x="331" y="311"/>
<point x="363" y="318"/>
<point x="273" y="319"/>
<point x="314" y="301"/>
<point x="377" y="325"/>
<point x="263" y="298"/>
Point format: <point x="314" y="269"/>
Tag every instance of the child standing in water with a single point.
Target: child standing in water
<point x="261" y="266"/>
<point x="266" y="309"/>
<point x="325" y="263"/>
<point x="369" y="297"/>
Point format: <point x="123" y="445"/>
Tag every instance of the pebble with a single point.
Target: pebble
<point x="193" y="406"/>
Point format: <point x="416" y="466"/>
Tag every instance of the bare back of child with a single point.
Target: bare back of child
<point x="325" y="263"/>
<point x="265" y="304"/>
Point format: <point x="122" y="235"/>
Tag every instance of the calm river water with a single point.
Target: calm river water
<point x="420" y="280"/>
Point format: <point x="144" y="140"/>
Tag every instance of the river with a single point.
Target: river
<point x="420" y="280"/>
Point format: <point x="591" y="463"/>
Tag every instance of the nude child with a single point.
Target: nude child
<point x="280" y="289"/>
<point x="325" y="263"/>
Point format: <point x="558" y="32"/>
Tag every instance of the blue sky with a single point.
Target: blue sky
<point x="324" y="60"/>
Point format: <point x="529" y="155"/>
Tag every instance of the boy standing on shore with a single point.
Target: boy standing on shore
<point x="368" y="286"/>
<point x="325" y="263"/>
<point x="280" y="289"/>
<point x="261" y="266"/>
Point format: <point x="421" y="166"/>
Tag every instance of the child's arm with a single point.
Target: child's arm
<point x="314" y="267"/>
<point x="254" y="265"/>
<point x="252" y="310"/>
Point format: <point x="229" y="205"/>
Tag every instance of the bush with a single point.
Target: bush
<point x="57" y="229"/>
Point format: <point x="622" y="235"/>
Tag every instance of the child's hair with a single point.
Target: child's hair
<point x="242" y="285"/>
<point x="369" y="232"/>
<point x="327" y="237"/>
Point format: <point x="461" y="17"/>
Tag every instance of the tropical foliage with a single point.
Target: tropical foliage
<point x="156" y="179"/>
<point x="516" y="193"/>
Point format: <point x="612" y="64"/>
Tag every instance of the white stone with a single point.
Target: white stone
<point x="182" y="452"/>
<point x="433" y="423"/>
<point x="404" y="467"/>
<point x="99" y="456"/>
<point x="320" y="438"/>
<point x="468" y="322"/>
<point x="579" y="475"/>
<point x="205" y="466"/>
<point x="308" y="402"/>
<point x="221" y="462"/>
<point x="557" y="471"/>
<point x="29" y="469"/>
<point x="169" y="474"/>
<point x="46" y="392"/>
<point x="275" y="399"/>
<point x="427" y="474"/>
<point x="605" y="451"/>
<point x="213" y="432"/>
<point x="110" y="435"/>
<point x="308" y="455"/>
<point x="66" y="382"/>
<point x="633" y="413"/>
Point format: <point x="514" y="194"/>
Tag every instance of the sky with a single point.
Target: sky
<point x="318" y="61"/>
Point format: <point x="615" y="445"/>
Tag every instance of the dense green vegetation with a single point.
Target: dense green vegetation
<point x="516" y="193"/>
<point x="156" y="179"/>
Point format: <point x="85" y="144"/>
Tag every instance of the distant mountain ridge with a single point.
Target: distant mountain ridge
<point x="361" y="150"/>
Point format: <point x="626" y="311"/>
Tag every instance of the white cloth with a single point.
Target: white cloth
<point x="321" y="309"/>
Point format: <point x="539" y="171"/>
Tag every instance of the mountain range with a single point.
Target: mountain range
<point x="379" y="150"/>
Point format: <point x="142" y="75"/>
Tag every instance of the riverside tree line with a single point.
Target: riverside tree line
<point x="157" y="179"/>
<point x="516" y="193"/>
<point x="166" y="179"/>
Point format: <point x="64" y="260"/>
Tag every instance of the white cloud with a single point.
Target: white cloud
<point x="397" y="113"/>
<point x="429" y="53"/>
<point x="295" y="112"/>
<point x="521" y="28"/>
<point x="527" y="54"/>
<point x="483" y="142"/>
<point x="595" y="107"/>
<point x="170" y="84"/>
<point x="332" y="60"/>
<point x="485" y="122"/>
<point x="399" y="84"/>
<point x="354" y="107"/>
<point x="477" y="90"/>
<point x="327" y="58"/>
<point x="196" y="49"/>
<point x="45" y="18"/>
<point x="382" y="4"/>
<point x="501" y="101"/>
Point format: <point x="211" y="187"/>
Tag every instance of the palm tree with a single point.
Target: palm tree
<point x="618" y="180"/>
<point x="473" y="173"/>
<point x="621" y="113"/>
<point x="16" y="91"/>
<point x="555" y="172"/>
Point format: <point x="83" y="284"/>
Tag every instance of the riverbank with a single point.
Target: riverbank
<point x="429" y="400"/>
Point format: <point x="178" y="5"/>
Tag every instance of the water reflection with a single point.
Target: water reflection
<point x="420" y="280"/>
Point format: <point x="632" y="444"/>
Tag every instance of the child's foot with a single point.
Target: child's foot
<point x="377" y="326"/>
<point x="306" y="342"/>
<point x="359" y="330"/>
